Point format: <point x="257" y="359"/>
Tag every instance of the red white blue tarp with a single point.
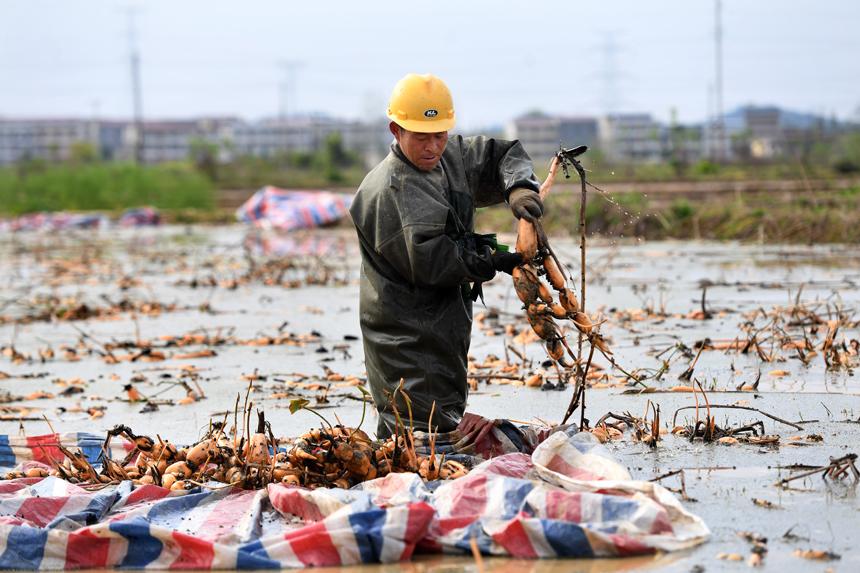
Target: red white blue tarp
<point x="62" y="220"/>
<point x="288" y="210"/>
<point x="58" y="221"/>
<point x="140" y="217"/>
<point x="569" y="498"/>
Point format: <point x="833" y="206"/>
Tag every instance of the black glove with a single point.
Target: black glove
<point x="526" y="204"/>
<point x="506" y="262"/>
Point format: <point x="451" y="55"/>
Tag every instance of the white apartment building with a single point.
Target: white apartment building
<point x="49" y="139"/>
<point x="631" y="137"/>
<point x="268" y="138"/>
<point x="171" y="140"/>
<point x="542" y="135"/>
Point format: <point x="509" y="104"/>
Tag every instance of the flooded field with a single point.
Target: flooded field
<point x="161" y="329"/>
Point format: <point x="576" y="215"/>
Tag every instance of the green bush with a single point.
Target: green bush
<point x="846" y="166"/>
<point x="332" y="165"/>
<point x="682" y="209"/>
<point x="706" y="167"/>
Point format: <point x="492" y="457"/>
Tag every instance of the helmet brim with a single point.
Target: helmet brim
<point x="425" y="126"/>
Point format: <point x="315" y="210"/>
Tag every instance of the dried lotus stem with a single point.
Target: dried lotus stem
<point x="582" y="204"/>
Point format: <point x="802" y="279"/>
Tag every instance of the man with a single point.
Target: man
<point x="414" y="214"/>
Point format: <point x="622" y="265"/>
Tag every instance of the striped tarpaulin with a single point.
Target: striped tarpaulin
<point x="289" y="210"/>
<point x="18" y="450"/>
<point x="568" y="498"/>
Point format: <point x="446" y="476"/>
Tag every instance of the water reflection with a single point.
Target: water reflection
<point x="282" y="244"/>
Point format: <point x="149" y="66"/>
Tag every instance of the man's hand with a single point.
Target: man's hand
<point x="526" y="204"/>
<point x="506" y="262"/>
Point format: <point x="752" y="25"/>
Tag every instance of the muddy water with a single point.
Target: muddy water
<point x="174" y="265"/>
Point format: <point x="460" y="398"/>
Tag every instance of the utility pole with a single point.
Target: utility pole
<point x="719" y="123"/>
<point x="287" y="89"/>
<point x="95" y="139"/>
<point x="137" y="95"/>
<point x="609" y="74"/>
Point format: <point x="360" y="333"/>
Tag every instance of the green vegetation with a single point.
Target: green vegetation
<point x="186" y="191"/>
<point x="819" y="217"/>
<point x="847" y="161"/>
<point x="681" y="209"/>
<point x="704" y="170"/>
<point x="331" y="165"/>
<point x="818" y="158"/>
<point x="83" y="186"/>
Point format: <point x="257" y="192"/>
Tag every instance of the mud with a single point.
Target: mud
<point x="209" y="280"/>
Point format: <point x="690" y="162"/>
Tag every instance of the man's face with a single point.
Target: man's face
<point x="424" y="150"/>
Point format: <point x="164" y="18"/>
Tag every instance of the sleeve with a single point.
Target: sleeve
<point x="496" y="167"/>
<point x="426" y="257"/>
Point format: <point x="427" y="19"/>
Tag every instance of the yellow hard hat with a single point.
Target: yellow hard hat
<point x="421" y="103"/>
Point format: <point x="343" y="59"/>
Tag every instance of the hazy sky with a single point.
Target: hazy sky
<point x="205" y="57"/>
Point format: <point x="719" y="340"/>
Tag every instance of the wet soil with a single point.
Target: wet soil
<point x="214" y="281"/>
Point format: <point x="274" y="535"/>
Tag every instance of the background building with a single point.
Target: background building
<point x="49" y="139"/>
<point x="631" y="137"/>
<point x="273" y="137"/>
<point x="543" y="134"/>
<point x="173" y="140"/>
<point x="754" y="133"/>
